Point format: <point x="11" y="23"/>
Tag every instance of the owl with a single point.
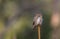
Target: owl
<point x="37" y="20"/>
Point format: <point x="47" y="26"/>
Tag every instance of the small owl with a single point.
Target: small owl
<point x="37" y="20"/>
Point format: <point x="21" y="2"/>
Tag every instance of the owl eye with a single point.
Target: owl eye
<point x="38" y="16"/>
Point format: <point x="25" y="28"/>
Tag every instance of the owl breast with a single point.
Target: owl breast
<point x="38" y="20"/>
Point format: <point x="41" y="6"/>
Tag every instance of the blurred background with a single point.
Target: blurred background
<point x="16" y="19"/>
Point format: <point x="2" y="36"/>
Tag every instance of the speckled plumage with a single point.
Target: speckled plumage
<point x="37" y="20"/>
